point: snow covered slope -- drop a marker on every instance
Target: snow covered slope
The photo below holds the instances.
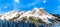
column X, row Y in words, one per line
column 37, row 16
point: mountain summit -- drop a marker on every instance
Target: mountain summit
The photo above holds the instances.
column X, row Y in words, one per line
column 37, row 16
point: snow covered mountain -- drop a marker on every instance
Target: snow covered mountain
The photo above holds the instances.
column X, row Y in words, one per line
column 37, row 16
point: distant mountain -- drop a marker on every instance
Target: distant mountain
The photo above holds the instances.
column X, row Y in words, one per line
column 37, row 16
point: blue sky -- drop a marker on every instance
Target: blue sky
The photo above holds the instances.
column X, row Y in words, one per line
column 51, row 6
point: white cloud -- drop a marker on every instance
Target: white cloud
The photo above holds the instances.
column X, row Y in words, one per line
column 16, row 1
column 35, row 2
column 44, row 1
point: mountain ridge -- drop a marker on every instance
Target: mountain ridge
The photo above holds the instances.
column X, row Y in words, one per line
column 37, row 15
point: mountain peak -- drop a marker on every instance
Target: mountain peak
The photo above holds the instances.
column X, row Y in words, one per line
column 31, row 16
column 41, row 8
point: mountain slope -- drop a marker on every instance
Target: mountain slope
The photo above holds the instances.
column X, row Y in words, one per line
column 37, row 16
